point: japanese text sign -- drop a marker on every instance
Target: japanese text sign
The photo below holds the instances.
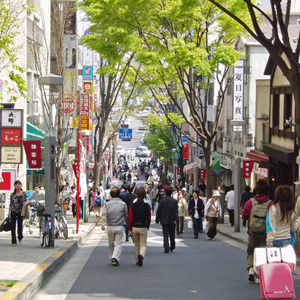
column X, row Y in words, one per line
column 247, row 168
column 85, row 111
column 238, row 93
column 11, row 118
column 33, row 151
column 11, row 136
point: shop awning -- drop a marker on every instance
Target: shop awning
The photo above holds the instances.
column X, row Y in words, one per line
column 189, row 169
column 34, row 132
column 219, row 171
column 257, row 155
column 216, row 156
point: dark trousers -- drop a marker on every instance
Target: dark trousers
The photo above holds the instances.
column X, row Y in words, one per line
column 74, row 210
column 81, row 208
column 179, row 225
column 14, row 217
column 127, row 231
column 169, row 231
column 231, row 216
column 197, row 226
column 212, row 230
column 254, row 240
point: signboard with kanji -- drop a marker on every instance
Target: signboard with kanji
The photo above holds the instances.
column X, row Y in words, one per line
column 33, row 151
column 11, row 136
column 85, row 111
column 11, row 118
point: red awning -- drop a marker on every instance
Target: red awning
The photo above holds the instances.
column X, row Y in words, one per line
column 258, row 157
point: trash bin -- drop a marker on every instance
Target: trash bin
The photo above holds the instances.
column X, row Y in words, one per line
column 222, row 202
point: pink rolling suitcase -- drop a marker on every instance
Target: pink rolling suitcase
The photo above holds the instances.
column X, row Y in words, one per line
column 276, row 281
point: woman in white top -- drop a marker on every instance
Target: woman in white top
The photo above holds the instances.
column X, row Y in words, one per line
column 212, row 211
column 282, row 218
column 182, row 211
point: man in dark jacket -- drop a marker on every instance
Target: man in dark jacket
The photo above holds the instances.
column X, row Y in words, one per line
column 246, row 196
column 195, row 209
column 128, row 199
column 167, row 215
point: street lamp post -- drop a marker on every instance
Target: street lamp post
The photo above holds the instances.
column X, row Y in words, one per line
column 54, row 91
column 196, row 172
column 174, row 150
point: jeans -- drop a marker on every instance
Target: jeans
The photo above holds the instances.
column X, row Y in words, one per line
column 197, row 225
column 14, row 217
column 281, row 243
column 169, row 230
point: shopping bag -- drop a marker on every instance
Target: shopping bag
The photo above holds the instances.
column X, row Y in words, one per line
column 190, row 224
column 6, row 225
column 205, row 223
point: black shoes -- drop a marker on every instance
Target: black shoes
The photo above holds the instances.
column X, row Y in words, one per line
column 166, row 251
column 196, row 236
column 140, row 258
column 115, row 262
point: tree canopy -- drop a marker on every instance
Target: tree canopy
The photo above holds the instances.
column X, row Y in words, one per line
column 11, row 21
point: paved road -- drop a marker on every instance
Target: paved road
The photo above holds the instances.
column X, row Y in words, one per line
column 197, row 269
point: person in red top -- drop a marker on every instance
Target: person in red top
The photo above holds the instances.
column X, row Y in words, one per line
column 139, row 223
column 255, row 239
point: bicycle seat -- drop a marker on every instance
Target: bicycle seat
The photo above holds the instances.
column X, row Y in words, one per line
column 58, row 210
column 46, row 214
column 33, row 209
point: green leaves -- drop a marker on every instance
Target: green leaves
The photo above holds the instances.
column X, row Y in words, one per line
column 10, row 23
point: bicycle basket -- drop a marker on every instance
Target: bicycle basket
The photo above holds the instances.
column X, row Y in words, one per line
column 39, row 210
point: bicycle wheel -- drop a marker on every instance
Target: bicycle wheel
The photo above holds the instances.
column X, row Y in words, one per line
column 47, row 233
column 42, row 237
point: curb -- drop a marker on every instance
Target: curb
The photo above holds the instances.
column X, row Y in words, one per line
column 242, row 241
column 28, row 285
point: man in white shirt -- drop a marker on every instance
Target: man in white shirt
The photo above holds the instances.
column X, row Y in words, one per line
column 101, row 190
column 229, row 199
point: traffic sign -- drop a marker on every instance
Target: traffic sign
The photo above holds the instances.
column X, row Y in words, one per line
column 125, row 133
column 184, row 140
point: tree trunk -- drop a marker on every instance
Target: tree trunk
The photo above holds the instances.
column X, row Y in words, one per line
column 208, row 150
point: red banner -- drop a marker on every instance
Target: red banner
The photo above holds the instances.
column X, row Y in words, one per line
column 186, row 151
column 202, row 174
column 75, row 169
column 33, row 150
column 247, row 168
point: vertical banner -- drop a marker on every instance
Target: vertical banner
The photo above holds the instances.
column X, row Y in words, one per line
column 33, row 150
column 238, row 93
column 186, row 151
column 247, row 168
column 202, row 174
column 85, row 111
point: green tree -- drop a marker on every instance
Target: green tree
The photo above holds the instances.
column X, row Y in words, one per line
column 174, row 41
column 11, row 20
column 283, row 49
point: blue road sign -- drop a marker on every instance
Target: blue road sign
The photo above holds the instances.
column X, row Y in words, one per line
column 125, row 133
column 184, row 140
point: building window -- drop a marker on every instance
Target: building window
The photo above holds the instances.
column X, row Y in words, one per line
column 266, row 133
column 288, row 111
column 275, row 121
column 298, row 21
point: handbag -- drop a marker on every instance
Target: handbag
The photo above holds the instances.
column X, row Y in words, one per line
column 297, row 244
column 190, row 224
column 6, row 225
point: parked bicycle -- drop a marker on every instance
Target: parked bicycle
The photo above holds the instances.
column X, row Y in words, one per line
column 45, row 227
column 61, row 226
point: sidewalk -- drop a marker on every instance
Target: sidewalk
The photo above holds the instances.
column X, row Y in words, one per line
column 30, row 265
